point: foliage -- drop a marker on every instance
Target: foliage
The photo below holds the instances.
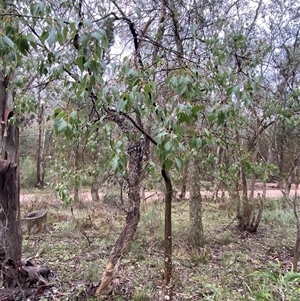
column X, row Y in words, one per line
column 275, row 285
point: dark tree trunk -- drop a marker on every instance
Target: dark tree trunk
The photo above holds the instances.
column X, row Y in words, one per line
column 10, row 224
column 168, row 234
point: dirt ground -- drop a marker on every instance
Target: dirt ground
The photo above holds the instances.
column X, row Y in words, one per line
column 77, row 246
column 273, row 191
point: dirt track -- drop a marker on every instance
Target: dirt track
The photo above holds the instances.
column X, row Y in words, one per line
column 272, row 192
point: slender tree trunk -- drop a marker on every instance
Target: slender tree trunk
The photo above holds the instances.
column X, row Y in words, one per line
column 95, row 192
column 168, row 234
column 40, row 149
column 38, row 161
column 297, row 242
column 10, row 224
column 254, row 159
column 196, row 226
column 217, row 182
column 135, row 176
column 76, row 186
column 291, row 176
column 121, row 186
column 182, row 194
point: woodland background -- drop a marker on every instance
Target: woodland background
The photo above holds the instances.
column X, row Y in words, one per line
column 153, row 129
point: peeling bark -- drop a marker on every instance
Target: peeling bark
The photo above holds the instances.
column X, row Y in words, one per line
column 10, row 222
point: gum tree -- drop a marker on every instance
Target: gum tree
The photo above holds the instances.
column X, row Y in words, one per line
column 10, row 229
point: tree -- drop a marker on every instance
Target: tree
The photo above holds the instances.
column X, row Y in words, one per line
column 10, row 224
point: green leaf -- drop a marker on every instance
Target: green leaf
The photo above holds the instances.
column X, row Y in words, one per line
column 221, row 118
column 197, row 109
column 137, row 11
column 96, row 35
column 104, row 42
column 69, row 131
column 168, row 163
column 115, row 90
column 80, row 61
column 178, row 163
column 292, row 276
column 10, row 30
column 12, row 56
column 73, row 115
column 115, row 164
column 60, row 124
column 93, row 66
column 65, row 33
column 8, row 41
column 23, row 45
column 44, row 36
column 121, row 105
column 52, row 38
column 168, row 146
column 88, row 23
column 57, row 112
column 84, row 38
column 211, row 117
column 147, row 90
column 183, row 117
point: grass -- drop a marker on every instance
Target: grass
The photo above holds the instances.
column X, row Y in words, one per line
column 77, row 246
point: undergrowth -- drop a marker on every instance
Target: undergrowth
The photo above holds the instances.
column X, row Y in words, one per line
column 233, row 265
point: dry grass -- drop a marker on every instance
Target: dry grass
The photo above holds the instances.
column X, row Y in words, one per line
column 76, row 247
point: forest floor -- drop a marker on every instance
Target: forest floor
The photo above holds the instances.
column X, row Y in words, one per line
column 233, row 265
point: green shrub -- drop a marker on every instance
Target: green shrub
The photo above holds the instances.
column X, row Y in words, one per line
column 276, row 285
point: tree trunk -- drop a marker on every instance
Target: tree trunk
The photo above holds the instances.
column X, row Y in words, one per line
column 254, row 160
column 217, row 182
column 40, row 149
column 184, row 181
column 196, row 226
column 135, row 176
column 76, row 185
column 297, row 242
column 168, row 234
column 95, row 192
column 10, row 223
column 246, row 215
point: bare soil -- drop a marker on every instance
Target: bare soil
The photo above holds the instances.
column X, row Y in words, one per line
column 273, row 191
